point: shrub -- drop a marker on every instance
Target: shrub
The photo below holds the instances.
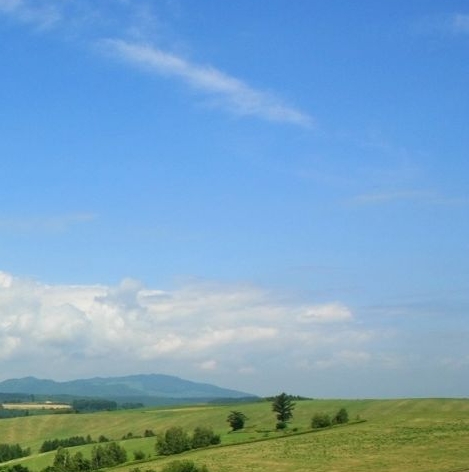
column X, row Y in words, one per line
column 139, row 455
column 321, row 420
column 12, row 451
column 107, row 455
column 280, row 425
column 204, row 437
column 174, row 441
column 15, row 468
column 341, row 417
column 183, row 466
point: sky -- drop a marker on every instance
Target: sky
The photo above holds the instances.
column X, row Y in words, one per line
column 267, row 196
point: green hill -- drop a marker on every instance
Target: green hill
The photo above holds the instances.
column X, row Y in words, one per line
column 415, row 435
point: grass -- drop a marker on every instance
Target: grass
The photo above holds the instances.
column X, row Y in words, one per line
column 36, row 406
column 420, row 435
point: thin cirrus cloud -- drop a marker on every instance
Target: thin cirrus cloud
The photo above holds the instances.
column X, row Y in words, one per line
column 223, row 90
column 229, row 92
column 41, row 14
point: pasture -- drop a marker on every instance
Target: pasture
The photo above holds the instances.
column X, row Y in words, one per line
column 414, row 435
column 36, row 406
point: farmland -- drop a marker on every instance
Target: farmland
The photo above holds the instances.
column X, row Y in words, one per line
column 36, row 406
column 421, row 435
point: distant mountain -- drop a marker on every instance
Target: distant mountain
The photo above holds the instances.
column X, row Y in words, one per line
column 147, row 389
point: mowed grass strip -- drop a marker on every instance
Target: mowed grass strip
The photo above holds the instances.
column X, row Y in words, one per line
column 405, row 435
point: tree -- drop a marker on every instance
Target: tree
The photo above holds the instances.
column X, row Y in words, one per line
column 341, row 417
column 174, row 441
column 236, row 420
column 107, row 455
column 204, row 437
column 283, row 406
column 320, row 420
column 183, row 466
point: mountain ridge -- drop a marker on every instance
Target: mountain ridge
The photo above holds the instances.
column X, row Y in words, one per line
column 154, row 386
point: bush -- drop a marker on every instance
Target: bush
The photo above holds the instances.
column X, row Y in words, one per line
column 183, row 466
column 341, row 417
column 15, row 468
column 204, row 437
column 280, row 425
column 174, row 441
column 321, row 420
column 107, row 455
column 139, row 455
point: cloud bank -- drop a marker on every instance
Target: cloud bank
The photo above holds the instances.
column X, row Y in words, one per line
column 98, row 329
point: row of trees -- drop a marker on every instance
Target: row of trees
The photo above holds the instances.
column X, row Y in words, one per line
column 53, row 444
column 107, row 455
column 283, row 407
column 176, row 440
column 90, row 405
column 176, row 466
column 12, row 451
column 323, row 420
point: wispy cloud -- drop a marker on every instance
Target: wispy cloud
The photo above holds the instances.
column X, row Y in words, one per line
column 229, row 92
column 41, row 14
column 131, row 19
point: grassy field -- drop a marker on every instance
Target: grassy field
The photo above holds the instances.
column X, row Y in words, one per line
column 36, row 406
column 428, row 435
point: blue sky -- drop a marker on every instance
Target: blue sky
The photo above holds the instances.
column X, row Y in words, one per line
column 263, row 195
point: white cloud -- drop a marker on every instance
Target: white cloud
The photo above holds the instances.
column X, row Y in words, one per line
column 129, row 324
column 327, row 313
column 229, row 92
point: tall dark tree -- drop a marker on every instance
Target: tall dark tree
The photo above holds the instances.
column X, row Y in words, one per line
column 236, row 420
column 283, row 406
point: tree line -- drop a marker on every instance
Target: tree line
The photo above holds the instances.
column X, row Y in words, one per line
column 9, row 452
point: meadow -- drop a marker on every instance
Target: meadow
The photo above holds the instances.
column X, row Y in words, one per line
column 415, row 435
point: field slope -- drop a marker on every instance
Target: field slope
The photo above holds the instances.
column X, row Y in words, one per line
column 415, row 435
